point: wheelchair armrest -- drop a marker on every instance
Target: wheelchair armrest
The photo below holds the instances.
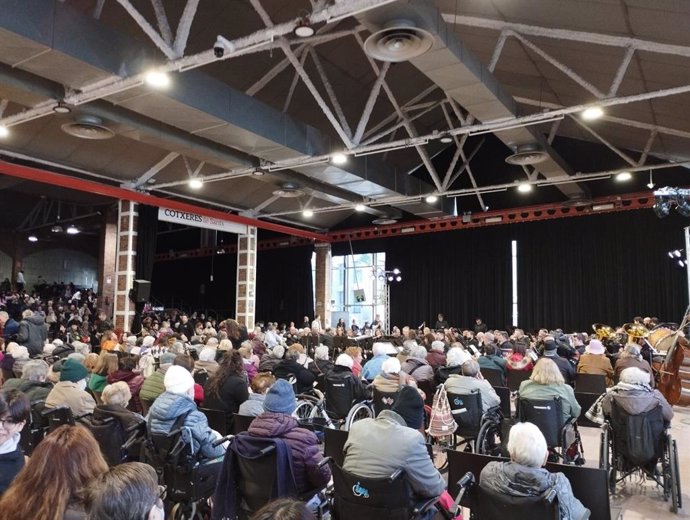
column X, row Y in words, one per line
column 49, row 411
column 135, row 427
column 324, row 461
column 550, row 496
column 395, row 475
column 424, row 506
column 267, row 450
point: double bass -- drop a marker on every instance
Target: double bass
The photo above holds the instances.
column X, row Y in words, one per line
column 670, row 384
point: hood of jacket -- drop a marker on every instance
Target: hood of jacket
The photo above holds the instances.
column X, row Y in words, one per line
column 517, row 480
column 271, row 424
column 37, row 319
column 167, row 407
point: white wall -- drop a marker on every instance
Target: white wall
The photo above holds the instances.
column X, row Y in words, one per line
column 60, row 265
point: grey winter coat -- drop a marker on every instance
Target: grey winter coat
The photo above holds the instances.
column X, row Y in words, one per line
column 510, row 478
column 253, row 406
column 168, row 407
column 635, row 399
column 33, row 332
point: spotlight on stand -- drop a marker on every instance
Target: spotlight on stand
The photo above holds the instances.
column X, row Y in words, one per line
column 678, row 257
column 665, row 198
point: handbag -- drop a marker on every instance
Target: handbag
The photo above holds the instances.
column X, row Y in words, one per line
column 441, row 422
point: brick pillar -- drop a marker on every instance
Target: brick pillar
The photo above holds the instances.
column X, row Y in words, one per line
column 107, row 263
column 323, row 283
column 126, row 253
column 18, row 249
column 245, row 291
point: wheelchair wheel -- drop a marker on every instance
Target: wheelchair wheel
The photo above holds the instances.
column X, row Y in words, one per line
column 489, row 439
column 303, row 411
column 358, row 412
column 676, row 497
column 185, row 511
column 604, row 450
column 439, row 447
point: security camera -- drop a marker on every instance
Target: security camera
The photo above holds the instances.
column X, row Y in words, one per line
column 219, row 49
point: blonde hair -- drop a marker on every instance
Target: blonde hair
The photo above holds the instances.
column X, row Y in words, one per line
column 353, row 352
column 91, row 361
column 546, row 372
column 296, row 347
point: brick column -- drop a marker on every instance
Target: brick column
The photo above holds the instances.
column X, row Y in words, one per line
column 18, row 250
column 245, row 291
column 323, row 283
column 126, row 253
column 107, row 263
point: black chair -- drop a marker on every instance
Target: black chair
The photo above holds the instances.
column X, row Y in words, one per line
column 241, row 423
column 334, row 444
column 58, row 416
column 383, row 400
column 374, row 498
column 586, row 400
column 590, row 383
column 515, row 377
column 503, row 393
column 217, row 420
column 428, row 388
column 494, row 377
column 200, row 377
column 117, row 444
column 35, row 429
column 547, row 415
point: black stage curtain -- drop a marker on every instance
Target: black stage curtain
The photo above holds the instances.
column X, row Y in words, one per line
column 284, row 288
column 147, row 229
column 462, row 274
column 574, row 272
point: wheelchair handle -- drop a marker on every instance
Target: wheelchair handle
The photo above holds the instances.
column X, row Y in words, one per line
column 324, row 461
column 135, row 427
column 49, row 411
column 267, row 450
column 464, row 484
column 395, row 475
column 220, row 441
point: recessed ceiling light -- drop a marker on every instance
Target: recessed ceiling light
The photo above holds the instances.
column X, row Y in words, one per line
column 61, row 108
column 307, row 213
column 338, row 158
column 524, row 187
column 446, row 139
column 4, row 132
column 258, row 172
column 431, row 199
column 196, row 183
column 72, row 230
column 623, row 176
column 33, row 238
column 360, row 207
column 157, row 79
column 592, row 113
column 303, row 29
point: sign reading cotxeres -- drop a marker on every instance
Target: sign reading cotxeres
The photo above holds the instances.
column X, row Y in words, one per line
column 202, row 221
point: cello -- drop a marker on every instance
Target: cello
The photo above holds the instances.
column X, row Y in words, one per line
column 670, row 384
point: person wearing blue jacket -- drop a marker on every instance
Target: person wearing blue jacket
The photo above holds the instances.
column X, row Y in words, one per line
column 177, row 401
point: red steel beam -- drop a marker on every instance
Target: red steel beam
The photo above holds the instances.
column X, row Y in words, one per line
column 75, row 183
column 261, row 245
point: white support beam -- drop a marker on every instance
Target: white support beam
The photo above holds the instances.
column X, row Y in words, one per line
column 394, row 116
column 611, row 147
column 401, row 123
column 151, row 172
column 184, row 26
column 465, row 166
column 497, row 51
column 554, row 130
column 3, row 106
column 647, row 148
column 330, row 92
column 371, row 101
column 295, row 80
column 145, row 26
column 620, row 73
column 560, row 66
column 162, row 20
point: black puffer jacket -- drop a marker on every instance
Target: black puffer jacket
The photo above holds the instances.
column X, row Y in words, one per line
column 33, row 333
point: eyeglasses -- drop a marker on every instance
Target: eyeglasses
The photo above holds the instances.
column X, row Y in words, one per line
column 8, row 423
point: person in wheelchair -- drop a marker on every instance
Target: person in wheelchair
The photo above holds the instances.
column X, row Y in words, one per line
column 524, row 476
column 471, row 380
column 392, row 378
column 178, row 401
column 343, row 389
column 115, row 398
column 370, row 451
column 635, row 396
column 546, row 382
column 455, row 357
column 277, row 422
column 289, row 368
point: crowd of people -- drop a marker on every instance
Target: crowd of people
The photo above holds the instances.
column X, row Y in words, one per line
column 59, row 349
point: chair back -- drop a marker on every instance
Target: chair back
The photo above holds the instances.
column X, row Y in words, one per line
column 369, row 498
column 639, row 439
column 429, row 389
column 515, row 377
column 58, row 416
column 35, row 429
column 546, row 414
column 494, row 377
column 590, row 383
column 111, row 438
column 200, row 376
column 383, row 400
column 217, row 420
column 503, row 393
column 498, row 505
column 467, row 412
column 339, row 395
column 334, row 444
column 241, row 423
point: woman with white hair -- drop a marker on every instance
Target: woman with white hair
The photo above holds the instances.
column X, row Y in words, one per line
column 33, row 381
column 115, row 398
column 454, row 359
column 322, row 365
column 632, row 357
column 524, row 476
column 343, row 387
column 417, row 366
column 392, row 378
column 635, row 396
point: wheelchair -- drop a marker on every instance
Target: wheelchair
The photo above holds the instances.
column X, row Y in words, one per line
column 35, row 429
column 562, row 438
column 189, row 480
column 117, row 444
column 637, row 444
column 313, row 411
column 480, row 431
column 375, row 498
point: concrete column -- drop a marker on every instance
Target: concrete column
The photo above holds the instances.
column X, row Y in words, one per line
column 245, row 291
column 107, row 263
column 323, row 282
column 127, row 216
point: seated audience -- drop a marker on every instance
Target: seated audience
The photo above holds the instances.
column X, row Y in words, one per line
column 566, row 368
column 632, row 357
column 492, row 360
column 153, row 385
column 51, row 486
column 356, row 354
column 546, row 382
column 524, row 476
column 372, row 368
column 454, row 359
column 115, row 399
column 322, row 364
column 228, row 389
column 417, row 366
column 289, row 369
column 271, row 358
column 518, row 359
column 71, row 390
column 15, row 408
column 128, row 491
column 343, row 388
column 33, row 381
column 635, row 396
column 255, row 404
column 594, row 361
column 207, row 361
column 436, row 356
column 178, row 401
column 126, row 373
column 277, row 422
column 471, row 380
column 247, row 355
column 370, row 453
column 187, row 362
column 284, row 509
column 392, row 378
column 33, row 332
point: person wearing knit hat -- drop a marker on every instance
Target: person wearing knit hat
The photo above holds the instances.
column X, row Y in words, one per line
column 369, row 452
column 71, row 390
column 277, row 422
column 594, row 361
column 178, row 401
